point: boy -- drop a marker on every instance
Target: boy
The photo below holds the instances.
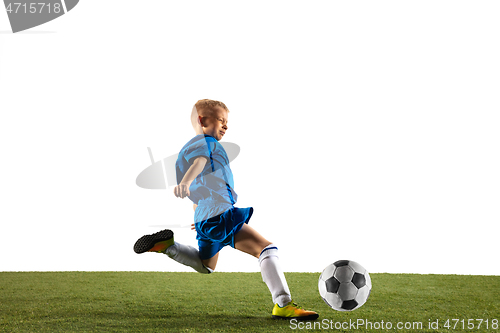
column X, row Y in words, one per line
column 204, row 176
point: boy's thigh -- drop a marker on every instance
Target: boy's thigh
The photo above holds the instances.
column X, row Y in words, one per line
column 248, row 240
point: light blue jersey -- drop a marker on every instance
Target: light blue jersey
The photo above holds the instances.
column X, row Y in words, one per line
column 216, row 218
column 216, row 180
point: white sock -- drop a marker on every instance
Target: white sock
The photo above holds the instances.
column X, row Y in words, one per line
column 187, row 255
column 273, row 275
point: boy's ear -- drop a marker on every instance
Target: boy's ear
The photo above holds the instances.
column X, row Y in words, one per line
column 200, row 121
column 196, row 121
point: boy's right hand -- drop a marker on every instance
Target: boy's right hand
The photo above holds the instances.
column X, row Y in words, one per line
column 182, row 190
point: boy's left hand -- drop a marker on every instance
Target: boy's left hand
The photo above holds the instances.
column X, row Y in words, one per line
column 182, row 190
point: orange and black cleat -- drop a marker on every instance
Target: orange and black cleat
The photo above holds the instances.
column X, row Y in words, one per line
column 293, row 311
column 157, row 242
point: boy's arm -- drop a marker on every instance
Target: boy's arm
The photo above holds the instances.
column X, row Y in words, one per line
column 182, row 190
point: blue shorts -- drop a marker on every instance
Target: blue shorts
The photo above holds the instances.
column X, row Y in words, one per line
column 219, row 231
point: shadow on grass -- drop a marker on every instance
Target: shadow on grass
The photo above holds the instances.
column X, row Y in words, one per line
column 179, row 322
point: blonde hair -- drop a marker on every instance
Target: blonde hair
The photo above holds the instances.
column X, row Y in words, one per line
column 206, row 107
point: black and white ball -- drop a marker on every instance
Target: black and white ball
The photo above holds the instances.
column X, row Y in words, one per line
column 344, row 285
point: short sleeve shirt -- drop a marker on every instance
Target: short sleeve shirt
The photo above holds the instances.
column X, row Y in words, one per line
column 216, row 179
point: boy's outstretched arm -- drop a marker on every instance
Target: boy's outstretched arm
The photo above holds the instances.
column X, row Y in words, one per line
column 182, row 190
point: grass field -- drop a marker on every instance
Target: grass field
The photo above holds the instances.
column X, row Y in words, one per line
column 236, row 302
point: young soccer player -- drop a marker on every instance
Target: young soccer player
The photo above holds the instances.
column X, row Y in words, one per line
column 204, row 176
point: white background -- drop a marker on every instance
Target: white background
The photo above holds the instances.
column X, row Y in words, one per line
column 369, row 131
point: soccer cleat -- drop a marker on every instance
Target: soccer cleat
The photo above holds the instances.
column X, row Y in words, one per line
column 157, row 242
column 293, row 311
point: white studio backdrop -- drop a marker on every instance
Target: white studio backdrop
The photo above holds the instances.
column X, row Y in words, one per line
column 368, row 131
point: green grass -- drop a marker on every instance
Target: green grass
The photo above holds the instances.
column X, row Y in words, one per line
column 229, row 302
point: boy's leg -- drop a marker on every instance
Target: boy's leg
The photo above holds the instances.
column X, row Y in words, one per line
column 250, row 241
column 273, row 276
column 163, row 242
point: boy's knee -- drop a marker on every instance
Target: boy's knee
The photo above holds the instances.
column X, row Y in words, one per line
column 268, row 251
column 260, row 247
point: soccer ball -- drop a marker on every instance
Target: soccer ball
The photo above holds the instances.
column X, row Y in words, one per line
column 344, row 285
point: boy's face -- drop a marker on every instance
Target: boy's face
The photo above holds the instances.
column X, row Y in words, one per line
column 216, row 124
